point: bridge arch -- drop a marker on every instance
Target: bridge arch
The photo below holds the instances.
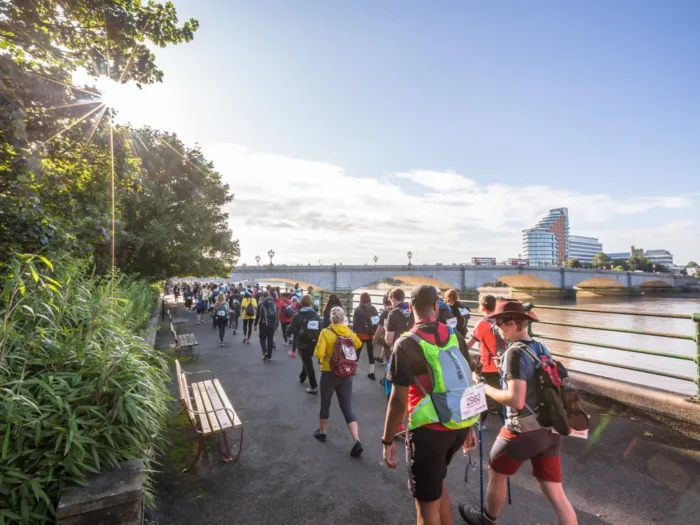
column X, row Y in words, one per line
column 411, row 281
column 655, row 283
column 514, row 279
column 599, row 282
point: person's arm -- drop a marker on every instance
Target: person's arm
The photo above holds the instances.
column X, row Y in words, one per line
column 513, row 397
column 396, row 411
column 320, row 351
column 472, row 341
column 379, row 336
column 356, row 340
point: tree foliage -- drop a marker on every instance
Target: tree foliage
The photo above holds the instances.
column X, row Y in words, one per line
column 573, row 263
column 601, row 260
column 55, row 170
column 692, row 264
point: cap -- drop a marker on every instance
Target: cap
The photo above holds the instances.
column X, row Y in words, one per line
column 423, row 296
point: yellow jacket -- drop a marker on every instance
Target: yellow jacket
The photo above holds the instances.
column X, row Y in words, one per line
column 326, row 344
column 244, row 305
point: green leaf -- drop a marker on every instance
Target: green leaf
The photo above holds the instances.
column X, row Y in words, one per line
column 35, row 275
column 6, row 442
column 46, row 261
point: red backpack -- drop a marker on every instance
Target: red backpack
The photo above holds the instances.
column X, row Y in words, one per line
column 344, row 359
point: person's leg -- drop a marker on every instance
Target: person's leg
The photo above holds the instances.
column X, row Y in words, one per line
column 370, row 353
column 445, row 507
column 235, row 321
column 307, row 358
column 284, row 331
column 344, row 393
column 562, row 506
column 496, row 492
column 327, row 388
column 222, row 329
column 263, row 340
column 270, row 334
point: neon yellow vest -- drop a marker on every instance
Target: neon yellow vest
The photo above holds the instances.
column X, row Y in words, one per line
column 450, row 376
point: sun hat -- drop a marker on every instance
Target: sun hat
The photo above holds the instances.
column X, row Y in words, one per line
column 511, row 309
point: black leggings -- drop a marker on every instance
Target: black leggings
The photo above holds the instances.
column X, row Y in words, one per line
column 221, row 322
column 370, row 352
column 233, row 323
column 342, row 386
column 284, row 330
column 248, row 327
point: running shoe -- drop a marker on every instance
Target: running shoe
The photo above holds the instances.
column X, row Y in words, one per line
column 267, row 357
column 312, row 390
column 222, row 344
column 357, row 449
column 245, row 340
column 371, row 376
column 379, row 360
column 290, row 353
column 234, row 332
column 474, row 516
column 293, row 354
column 321, row 436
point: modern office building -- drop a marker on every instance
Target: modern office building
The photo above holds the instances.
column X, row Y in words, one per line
column 547, row 243
column 584, row 248
column 664, row 257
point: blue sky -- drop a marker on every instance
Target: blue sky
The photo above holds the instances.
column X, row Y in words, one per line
column 465, row 120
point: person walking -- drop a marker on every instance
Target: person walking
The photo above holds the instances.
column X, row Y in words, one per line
column 188, row 296
column 305, row 328
column 234, row 303
column 285, row 319
column 176, row 291
column 378, row 340
column 221, row 316
column 332, row 302
column 268, row 320
column 461, row 311
column 491, row 349
column 364, row 323
column 426, row 363
column 249, row 308
column 522, row 437
column 331, row 382
column 201, row 306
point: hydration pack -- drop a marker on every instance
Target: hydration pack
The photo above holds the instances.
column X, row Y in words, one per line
column 343, row 362
column 250, row 309
column 221, row 311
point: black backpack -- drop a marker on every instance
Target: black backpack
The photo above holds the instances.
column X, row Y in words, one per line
column 309, row 330
column 269, row 312
column 549, row 375
column 250, row 309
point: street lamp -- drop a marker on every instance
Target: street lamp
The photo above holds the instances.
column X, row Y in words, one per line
column 409, row 255
column 271, row 254
column 375, row 260
column 257, row 259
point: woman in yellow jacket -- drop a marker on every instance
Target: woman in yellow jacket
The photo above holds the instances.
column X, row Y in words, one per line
column 330, row 382
column 248, row 319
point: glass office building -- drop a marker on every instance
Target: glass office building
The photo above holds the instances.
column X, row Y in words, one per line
column 547, row 243
column 584, row 248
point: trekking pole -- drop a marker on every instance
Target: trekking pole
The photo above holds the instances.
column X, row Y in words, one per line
column 481, row 471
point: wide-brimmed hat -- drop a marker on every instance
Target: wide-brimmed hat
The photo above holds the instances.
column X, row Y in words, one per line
column 511, row 309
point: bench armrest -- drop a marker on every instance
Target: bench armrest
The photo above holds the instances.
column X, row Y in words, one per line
column 200, row 372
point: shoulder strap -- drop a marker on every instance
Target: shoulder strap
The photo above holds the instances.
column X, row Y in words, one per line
column 525, row 348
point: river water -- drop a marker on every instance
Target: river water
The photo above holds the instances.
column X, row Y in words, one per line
column 655, row 304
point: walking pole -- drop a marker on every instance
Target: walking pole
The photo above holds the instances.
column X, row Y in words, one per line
column 481, row 471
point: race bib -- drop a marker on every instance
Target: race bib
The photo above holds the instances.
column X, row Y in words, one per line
column 375, row 319
column 312, row 325
column 350, row 353
column 317, row 302
column 452, row 322
column 473, row 401
column 464, row 312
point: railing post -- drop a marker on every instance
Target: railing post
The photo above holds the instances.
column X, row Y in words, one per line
column 696, row 318
column 528, row 307
column 348, row 311
column 322, row 302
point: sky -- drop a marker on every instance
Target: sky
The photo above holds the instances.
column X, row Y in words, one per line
column 356, row 128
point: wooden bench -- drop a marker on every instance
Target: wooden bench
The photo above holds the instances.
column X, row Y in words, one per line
column 212, row 412
column 177, row 322
column 184, row 343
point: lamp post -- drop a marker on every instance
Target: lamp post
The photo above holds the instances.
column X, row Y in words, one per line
column 409, row 255
column 271, row 254
column 257, row 259
column 375, row 260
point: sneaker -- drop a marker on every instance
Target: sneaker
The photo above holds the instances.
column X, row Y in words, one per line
column 371, row 376
column 290, row 353
column 302, row 379
column 474, row 516
column 379, row 360
column 245, row 339
column 312, row 390
column 357, row 449
column 222, row 344
column 234, row 332
column 267, row 357
column 293, row 354
column 321, row 436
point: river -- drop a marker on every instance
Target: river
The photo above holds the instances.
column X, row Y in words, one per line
column 657, row 304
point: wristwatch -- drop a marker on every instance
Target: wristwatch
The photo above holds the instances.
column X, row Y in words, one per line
column 387, row 443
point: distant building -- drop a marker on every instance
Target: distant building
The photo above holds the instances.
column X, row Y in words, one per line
column 547, row 243
column 584, row 248
column 660, row 257
column 483, row 260
column 626, row 255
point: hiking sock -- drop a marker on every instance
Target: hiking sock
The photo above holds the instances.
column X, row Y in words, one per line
column 371, row 368
column 489, row 519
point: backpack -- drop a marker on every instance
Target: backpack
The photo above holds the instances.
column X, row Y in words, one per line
column 235, row 304
column 309, row 330
column 548, row 378
column 221, row 311
column 289, row 311
column 344, row 359
column 250, row 309
column 269, row 312
column 501, row 345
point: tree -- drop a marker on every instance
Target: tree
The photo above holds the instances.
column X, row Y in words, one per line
column 620, row 263
column 640, row 263
column 600, row 261
column 573, row 263
column 692, row 264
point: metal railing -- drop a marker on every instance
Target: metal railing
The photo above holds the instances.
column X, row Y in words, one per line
column 350, row 300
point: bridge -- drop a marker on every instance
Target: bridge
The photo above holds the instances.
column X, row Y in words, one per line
column 463, row 277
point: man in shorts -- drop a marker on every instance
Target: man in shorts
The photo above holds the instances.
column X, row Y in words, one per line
column 522, row 437
column 429, row 447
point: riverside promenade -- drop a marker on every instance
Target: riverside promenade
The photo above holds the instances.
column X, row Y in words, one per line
column 630, row 471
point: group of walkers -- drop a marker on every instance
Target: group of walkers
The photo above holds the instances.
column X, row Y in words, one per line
column 424, row 345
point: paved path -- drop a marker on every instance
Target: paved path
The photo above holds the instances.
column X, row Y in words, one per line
column 631, row 471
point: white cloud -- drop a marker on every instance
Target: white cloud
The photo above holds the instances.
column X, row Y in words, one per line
column 308, row 211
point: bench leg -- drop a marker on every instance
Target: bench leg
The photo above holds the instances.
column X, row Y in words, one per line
column 228, row 457
column 200, row 448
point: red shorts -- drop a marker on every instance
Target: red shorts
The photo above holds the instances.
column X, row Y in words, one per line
column 542, row 447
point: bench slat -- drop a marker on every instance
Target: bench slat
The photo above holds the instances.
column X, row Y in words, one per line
column 227, row 403
column 221, row 415
column 200, row 408
column 213, row 422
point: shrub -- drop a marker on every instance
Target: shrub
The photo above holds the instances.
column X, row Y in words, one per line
column 80, row 390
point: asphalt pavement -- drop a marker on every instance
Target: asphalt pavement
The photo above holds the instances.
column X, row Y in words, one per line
column 630, row 471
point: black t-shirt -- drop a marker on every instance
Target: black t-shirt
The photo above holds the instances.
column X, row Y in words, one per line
column 399, row 319
column 407, row 358
column 187, row 295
